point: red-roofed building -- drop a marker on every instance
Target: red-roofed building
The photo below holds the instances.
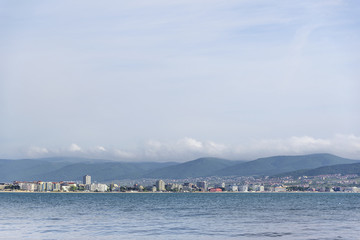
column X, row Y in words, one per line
column 215, row 190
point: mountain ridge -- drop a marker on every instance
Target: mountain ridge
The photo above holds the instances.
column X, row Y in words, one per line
column 65, row 168
column 278, row 164
column 344, row 169
column 200, row 167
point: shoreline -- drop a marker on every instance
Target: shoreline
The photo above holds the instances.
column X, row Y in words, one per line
column 80, row 192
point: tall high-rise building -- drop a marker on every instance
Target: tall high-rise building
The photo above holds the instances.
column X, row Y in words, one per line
column 160, row 185
column 202, row 185
column 87, row 179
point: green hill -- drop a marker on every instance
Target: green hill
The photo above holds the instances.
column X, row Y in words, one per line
column 24, row 169
column 105, row 171
column 66, row 169
column 280, row 164
column 197, row 168
column 343, row 169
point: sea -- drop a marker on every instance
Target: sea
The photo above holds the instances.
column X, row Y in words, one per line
column 180, row 216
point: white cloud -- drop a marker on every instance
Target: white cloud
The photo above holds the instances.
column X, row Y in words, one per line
column 216, row 148
column 342, row 145
column 188, row 148
column 124, row 154
column 190, row 144
column 100, row 149
column 37, row 151
column 309, row 143
column 75, row 148
column 154, row 144
column 184, row 149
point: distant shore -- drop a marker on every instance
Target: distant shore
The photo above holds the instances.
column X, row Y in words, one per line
column 81, row 192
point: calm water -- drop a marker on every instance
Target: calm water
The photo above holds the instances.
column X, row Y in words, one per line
column 179, row 216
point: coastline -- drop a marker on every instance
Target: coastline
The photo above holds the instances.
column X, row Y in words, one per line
column 81, row 192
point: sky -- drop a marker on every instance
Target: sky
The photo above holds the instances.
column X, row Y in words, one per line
column 158, row 80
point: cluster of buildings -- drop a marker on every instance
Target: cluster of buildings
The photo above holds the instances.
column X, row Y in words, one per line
column 319, row 183
column 200, row 186
column 322, row 183
column 41, row 186
column 159, row 186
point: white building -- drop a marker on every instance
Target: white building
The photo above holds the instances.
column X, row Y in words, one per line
column 56, row 186
column 45, row 186
column 258, row 188
column 220, row 185
column 352, row 189
column 280, row 189
column 27, row 186
column 243, row 188
column 232, row 188
column 98, row 187
column 202, row 185
column 173, row 187
column 160, row 185
column 87, row 180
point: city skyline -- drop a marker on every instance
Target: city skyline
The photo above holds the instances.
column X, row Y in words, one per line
column 174, row 81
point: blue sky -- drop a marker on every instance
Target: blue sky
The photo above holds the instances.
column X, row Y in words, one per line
column 175, row 80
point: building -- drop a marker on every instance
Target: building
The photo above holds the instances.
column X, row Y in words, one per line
column 87, row 180
column 351, row 189
column 202, row 185
column 56, row 187
column 280, row 189
column 258, row 188
column 160, row 185
column 220, row 185
column 98, row 187
column 232, row 188
column 243, row 188
column 173, row 187
column 215, row 190
column 65, row 188
column 2, row 186
column 45, row 186
column 27, row 186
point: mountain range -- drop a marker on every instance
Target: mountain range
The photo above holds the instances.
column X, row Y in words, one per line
column 353, row 168
column 281, row 164
column 72, row 169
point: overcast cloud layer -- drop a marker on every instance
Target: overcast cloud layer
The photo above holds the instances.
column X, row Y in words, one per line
column 175, row 80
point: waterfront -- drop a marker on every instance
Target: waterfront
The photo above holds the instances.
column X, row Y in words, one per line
column 179, row 216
